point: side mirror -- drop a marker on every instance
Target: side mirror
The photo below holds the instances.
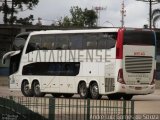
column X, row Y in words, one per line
column 8, row 54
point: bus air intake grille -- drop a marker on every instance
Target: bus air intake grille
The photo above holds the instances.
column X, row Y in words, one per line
column 138, row 64
column 109, row 84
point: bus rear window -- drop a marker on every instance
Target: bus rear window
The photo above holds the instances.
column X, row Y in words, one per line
column 139, row 38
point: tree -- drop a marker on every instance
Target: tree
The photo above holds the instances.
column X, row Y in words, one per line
column 155, row 17
column 66, row 22
column 90, row 17
column 25, row 21
column 9, row 8
column 79, row 18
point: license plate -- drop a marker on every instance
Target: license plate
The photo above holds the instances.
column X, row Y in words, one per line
column 138, row 88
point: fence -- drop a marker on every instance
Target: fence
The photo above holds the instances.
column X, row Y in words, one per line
column 26, row 108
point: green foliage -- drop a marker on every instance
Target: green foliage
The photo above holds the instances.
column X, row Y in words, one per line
column 79, row 18
column 25, row 21
column 90, row 17
column 9, row 9
column 28, row 3
column 66, row 22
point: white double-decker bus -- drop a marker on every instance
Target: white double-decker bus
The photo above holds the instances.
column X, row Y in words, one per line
column 117, row 62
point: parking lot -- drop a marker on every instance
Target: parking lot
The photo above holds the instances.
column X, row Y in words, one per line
column 144, row 104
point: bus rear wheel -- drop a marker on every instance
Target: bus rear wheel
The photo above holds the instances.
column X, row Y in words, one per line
column 83, row 90
column 94, row 91
column 127, row 97
column 36, row 90
column 25, row 89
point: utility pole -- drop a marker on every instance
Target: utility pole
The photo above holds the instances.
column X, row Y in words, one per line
column 12, row 12
column 150, row 14
column 123, row 14
column 151, row 2
column 98, row 9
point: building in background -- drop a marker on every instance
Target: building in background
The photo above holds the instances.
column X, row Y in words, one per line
column 7, row 35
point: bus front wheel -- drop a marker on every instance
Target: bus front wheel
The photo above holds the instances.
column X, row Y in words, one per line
column 25, row 89
column 36, row 90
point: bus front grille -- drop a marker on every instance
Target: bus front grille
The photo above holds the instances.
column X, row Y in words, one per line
column 138, row 64
column 109, row 84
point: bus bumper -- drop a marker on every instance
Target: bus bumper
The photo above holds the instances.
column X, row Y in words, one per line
column 135, row 89
column 13, row 84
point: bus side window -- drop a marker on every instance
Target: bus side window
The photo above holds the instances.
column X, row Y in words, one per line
column 62, row 42
column 48, row 42
column 101, row 44
column 34, row 43
column 90, row 41
column 54, row 69
column 110, row 40
column 70, row 69
column 91, row 44
column 76, row 41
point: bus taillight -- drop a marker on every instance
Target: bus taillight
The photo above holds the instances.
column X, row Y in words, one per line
column 119, row 53
column 119, row 45
column 120, row 78
column 154, row 77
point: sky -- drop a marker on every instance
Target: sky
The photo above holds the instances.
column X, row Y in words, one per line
column 137, row 12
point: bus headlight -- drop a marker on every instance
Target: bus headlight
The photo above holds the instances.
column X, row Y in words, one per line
column 12, row 80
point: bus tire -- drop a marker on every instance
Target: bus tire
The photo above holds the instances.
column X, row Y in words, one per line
column 83, row 90
column 114, row 96
column 94, row 91
column 67, row 95
column 56, row 95
column 127, row 97
column 25, row 89
column 36, row 89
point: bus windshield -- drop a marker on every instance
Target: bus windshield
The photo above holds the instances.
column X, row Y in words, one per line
column 139, row 38
column 19, row 42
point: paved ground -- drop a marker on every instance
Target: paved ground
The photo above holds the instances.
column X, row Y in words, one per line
column 144, row 104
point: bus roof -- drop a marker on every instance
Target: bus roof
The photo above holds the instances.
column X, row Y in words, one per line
column 75, row 31
column 23, row 33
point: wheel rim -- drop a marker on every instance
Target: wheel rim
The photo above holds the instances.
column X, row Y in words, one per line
column 37, row 89
column 83, row 90
column 26, row 88
column 94, row 90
